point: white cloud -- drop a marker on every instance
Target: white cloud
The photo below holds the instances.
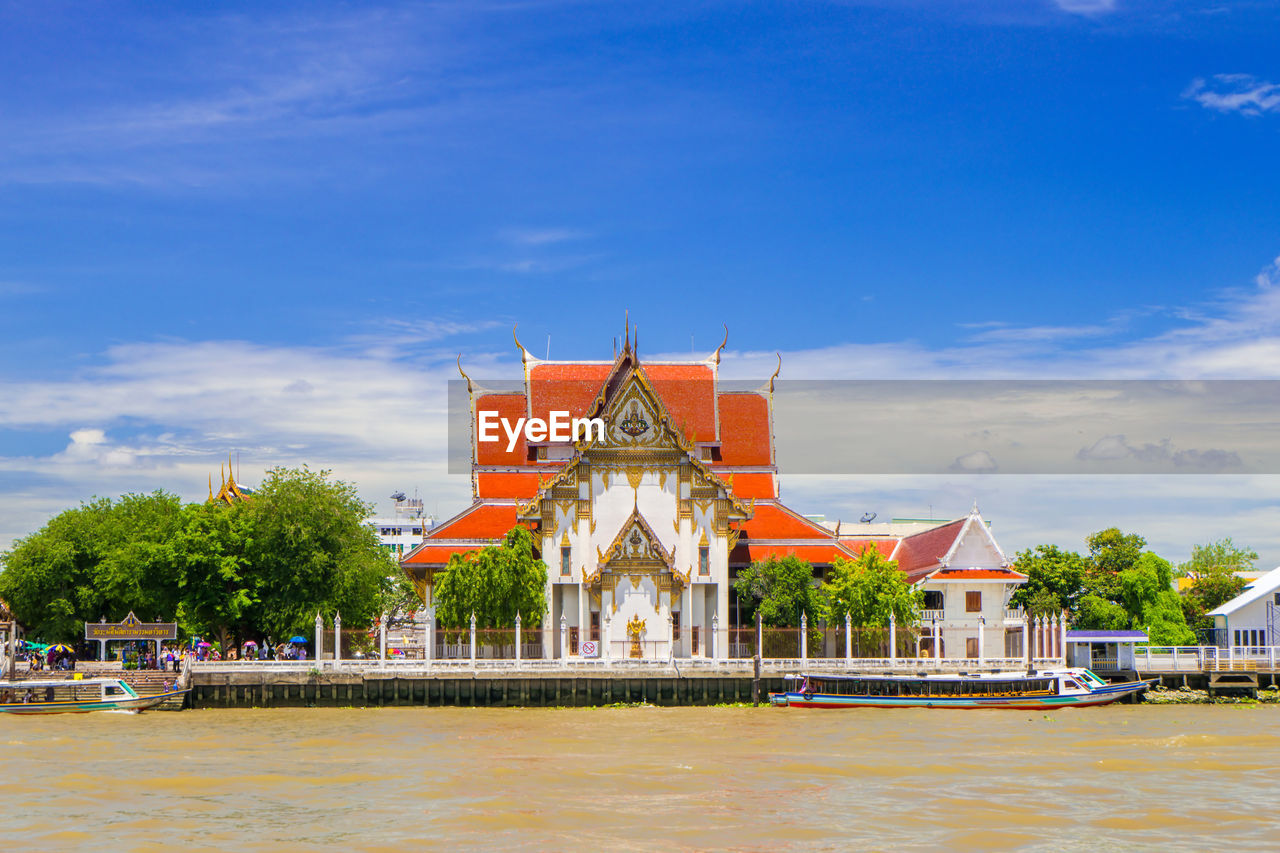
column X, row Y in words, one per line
column 167, row 414
column 1235, row 93
column 1086, row 7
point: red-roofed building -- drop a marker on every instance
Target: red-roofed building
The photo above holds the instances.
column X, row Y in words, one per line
column 645, row 521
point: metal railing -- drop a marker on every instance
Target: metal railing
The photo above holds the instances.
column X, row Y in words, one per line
column 1205, row 658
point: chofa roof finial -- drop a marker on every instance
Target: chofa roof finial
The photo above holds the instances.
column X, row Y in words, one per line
column 716, row 355
column 464, row 373
column 626, row 331
column 775, row 373
column 524, row 353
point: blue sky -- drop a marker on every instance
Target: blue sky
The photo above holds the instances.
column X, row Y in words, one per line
column 270, row 229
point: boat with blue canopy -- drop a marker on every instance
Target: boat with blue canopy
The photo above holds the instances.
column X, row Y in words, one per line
column 1030, row 690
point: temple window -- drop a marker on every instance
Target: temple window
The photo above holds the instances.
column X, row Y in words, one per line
column 973, row 602
column 704, row 560
column 566, row 561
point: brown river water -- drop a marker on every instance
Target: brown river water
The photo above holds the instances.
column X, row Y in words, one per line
column 1123, row 778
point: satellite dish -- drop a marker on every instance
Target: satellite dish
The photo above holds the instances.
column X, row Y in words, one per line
column 868, row 517
column 398, row 496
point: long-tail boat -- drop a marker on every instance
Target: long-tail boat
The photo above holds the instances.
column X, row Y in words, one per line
column 1053, row 688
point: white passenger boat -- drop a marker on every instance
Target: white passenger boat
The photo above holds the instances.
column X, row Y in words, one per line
column 1054, row 688
column 64, row 696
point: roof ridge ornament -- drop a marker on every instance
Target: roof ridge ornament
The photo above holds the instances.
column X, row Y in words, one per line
column 524, row 353
column 715, row 356
column 775, row 373
column 464, row 373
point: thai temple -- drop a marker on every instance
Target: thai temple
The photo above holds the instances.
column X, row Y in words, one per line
column 645, row 529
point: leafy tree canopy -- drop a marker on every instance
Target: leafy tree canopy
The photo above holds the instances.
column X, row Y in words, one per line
column 1110, row 553
column 1055, row 580
column 1099, row 614
column 1219, row 557
column 261, row 568
column 869, row 589
column 494, row 583
column 781, row 590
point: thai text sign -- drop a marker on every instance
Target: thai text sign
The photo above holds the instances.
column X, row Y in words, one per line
column 130, row 629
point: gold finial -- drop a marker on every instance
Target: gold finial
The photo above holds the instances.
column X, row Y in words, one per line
column 210, row 488
column 464, row 373
column 524, row 353
column 716, row 355
column 626, row 331
column 775, row 373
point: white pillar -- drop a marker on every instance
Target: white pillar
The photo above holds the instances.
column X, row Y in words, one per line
column 517, row 636
column 430, row 634
column 1026, row 636
column 804, row 636
column 981, row 653
column 382, row 637
column 760, row 635
column 337, row 638
column 848, row 637
column 671, row 636
column 605, row 632
column 319, row 638
column 1062, row 635
column 715, row 629
column 564, row 637
column 473, row 638
column 893, row 638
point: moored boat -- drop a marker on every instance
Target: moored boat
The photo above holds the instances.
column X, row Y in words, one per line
column 76, row 696
column 1055, row 688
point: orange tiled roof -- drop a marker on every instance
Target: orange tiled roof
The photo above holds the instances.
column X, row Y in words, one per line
column 511, row 406
column 749, row 552
column 751, row 485
column 859, row 546
column 502, row 484
column 772, row 520
column 483, row 521
column 745, row 435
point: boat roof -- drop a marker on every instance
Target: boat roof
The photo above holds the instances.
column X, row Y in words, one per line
column 1003, row 675
column 29, row 684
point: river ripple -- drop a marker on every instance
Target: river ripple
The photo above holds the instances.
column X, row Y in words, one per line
column 1123, row 777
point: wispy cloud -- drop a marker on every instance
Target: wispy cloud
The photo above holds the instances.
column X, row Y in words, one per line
column 1235, row 93
column 542, row 236
column 19, row 288
column 1086, row 7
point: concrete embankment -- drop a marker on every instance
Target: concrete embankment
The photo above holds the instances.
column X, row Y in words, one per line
column 372, row 688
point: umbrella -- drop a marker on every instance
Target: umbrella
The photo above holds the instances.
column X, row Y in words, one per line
column 60, row 649
column 248, row 643
column 296, row 639
column 203, row 645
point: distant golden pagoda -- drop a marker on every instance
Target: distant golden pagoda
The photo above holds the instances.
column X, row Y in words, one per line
column 230, row 492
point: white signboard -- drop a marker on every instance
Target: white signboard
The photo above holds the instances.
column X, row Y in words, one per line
column 589, row 649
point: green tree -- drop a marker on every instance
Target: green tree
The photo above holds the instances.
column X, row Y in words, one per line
column 1097, row 613
column 217, row 592
column 1055, row 580
column 1147, row 594
column 780, row 590
column 306, row 549
column 1110, row 553
column 101, row 559
column 494, row 583
column 868, row 589
column 1209, row 590
column 1221, row 556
